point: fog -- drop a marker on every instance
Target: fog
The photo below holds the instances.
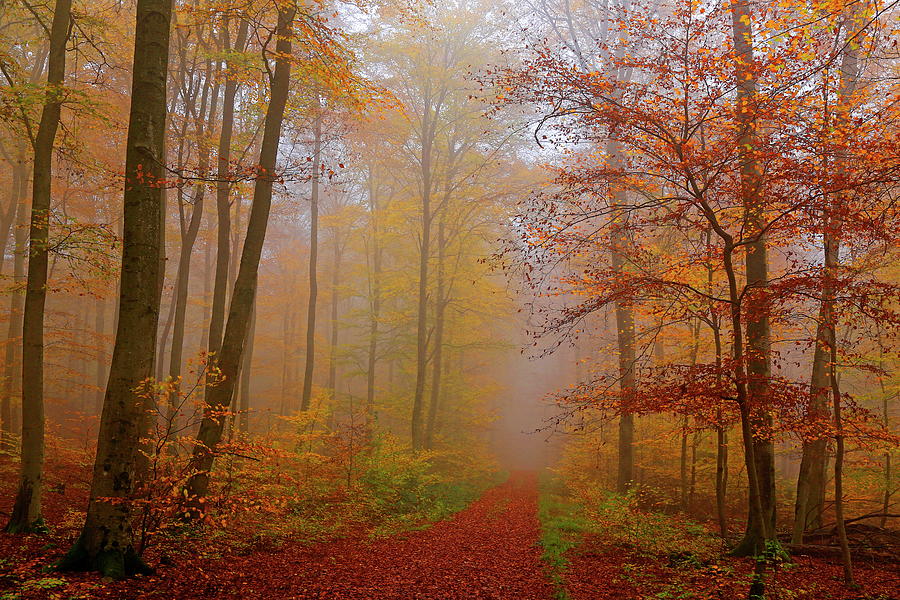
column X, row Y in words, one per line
column 373, row 256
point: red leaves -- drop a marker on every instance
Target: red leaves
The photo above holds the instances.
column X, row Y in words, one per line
column 488, row 550
column 598, row 570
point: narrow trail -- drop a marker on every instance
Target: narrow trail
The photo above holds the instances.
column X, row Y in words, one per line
column 486, row 551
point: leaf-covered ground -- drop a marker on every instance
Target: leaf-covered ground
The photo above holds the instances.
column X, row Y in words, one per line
column 487, row 551
column 490, row 550
column 598, row 571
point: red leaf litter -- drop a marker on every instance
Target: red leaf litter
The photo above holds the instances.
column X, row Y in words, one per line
column 487, row 551
column 600, row 571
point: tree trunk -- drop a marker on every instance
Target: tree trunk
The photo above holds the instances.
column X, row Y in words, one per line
column 162, row 347
column 693, row 485
column 375, row 306
column 811, row 482
column 810, row 498
column 189, row 97
column 839, row 468
column 83, row 356
column 761, row 523
column 223, row 207
column 286, row 404
column 832, row 239
column 440, row 305
column 625, row 337
column 100, row 364
column 683, row 465
column 219, row 396
column 188, row 239
column 335, row 297
column 758, row 531
column 235, row 240
column 888, row 481
column 207, row 289
column 9, row 217
column 14, row 332
column 106, row 542
column 761, row 532
column 310, row 363
column 247, row 362
column 26, row 513
column 417, row 421
column 721, row 440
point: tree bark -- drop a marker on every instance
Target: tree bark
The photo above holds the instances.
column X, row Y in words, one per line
column 811, row 481
column 429, row 126
column 106, row 542
column 625, row 342
column 286, row 341
column 683, row 466
column 246, row 365
column 721, row 439
column 832, row 239
column 26, row 513
column 14, row 331
column 83, row 356
column 207, row 288
column 335, row 297
column 757, row 525
column 223, row 206
column 100, row 363
column 375, row 302
column 219, row 396
column 164, row 334
column 888, row 480
column 9, row 417
column 310, row 362
column 235, row 240
column 761, row 532
column 810, row 497
column 188, row 239
column 839, row 470
column 9, row 217
column 761, row 522
column 440, row 305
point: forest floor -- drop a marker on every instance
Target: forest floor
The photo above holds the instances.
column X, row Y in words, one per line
column 490, row 550
column 597, row 571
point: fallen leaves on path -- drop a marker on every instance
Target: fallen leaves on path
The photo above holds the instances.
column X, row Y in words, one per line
column 488, row 551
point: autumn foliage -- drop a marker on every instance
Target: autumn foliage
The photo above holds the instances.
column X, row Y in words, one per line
column 388, row 299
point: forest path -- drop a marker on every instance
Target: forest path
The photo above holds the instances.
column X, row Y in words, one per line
column 487, row 551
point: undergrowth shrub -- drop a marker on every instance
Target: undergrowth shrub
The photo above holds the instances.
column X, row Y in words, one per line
column 402, row 490
column 314, row 478
column 619, row 519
